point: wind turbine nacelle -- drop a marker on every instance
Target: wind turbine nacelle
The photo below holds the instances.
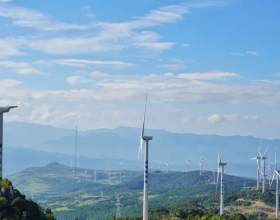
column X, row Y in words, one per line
column 6, row 109
column 147, row 138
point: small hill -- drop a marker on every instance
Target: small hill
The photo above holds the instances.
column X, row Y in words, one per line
column 55, row 179
column 14, row 206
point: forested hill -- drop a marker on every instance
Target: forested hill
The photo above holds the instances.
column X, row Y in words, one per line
column 14, row 206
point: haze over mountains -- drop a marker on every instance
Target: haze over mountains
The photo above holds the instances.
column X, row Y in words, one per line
column 95, row 147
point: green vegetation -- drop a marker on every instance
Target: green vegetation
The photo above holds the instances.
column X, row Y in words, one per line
column 14, row 206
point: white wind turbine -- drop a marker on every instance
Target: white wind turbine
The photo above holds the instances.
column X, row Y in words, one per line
column 276, row 173
column 167, row 167
column 146, row 163
column 258, row 167
column 201, row 165
column 188, row 161
column 221, row 167
column 263, row 168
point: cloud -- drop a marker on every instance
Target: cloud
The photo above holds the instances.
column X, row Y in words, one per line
column 20, row 68
column 169, row 74
column 10, row 47
column 155, row 45
column 30, row 18
column 86, row 63
column 6, row 0
column 208, row 76
column 237, row 54
column 106, row 36
column 254, row 53
column 77, row 80
column 214, row 118
column 173, row 66
column 97, row 74
column 29, row 71
column 186, row 45
column 233, row 118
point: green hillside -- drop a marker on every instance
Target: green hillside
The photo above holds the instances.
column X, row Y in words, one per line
column 97, row 200
column 55, row 179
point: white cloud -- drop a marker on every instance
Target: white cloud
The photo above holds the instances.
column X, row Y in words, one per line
column 86, row 63
column 254, row 53
column 6, row 0
column 233, row 118
column 97, row 74
column 173, row 66
column 10, row 47
column 155, row 45
column 30, row 18
column 77, row 80
column 29, row 71
column 208, row 76
column 21, row 68
column 169, row 74
column 186, row 45
column 214, row 118
column 237, row 54
column 106, row 37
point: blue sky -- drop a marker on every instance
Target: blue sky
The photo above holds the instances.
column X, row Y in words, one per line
column 210, row 66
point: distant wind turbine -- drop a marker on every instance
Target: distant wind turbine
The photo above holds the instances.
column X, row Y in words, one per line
column 167, row 167
column 276, row 173
column 221, row 167
column 146, row 163
column 258, row 167
column 188, row 161
column 263, row 168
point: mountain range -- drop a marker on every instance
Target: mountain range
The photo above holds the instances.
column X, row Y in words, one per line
column 33, row 141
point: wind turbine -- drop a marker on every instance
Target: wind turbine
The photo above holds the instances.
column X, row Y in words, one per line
column 221, row 167
column 258, row 168
column 121, row 166
column 188, row 161
column 167, row 167
column 263, row 168
column 2, row 111
column 146, row 163
column 201, row 165
column 276, row 172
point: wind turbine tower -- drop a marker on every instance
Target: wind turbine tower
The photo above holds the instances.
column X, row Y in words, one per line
column 167, row 167
column 201, row 165
column 221, row 168
column 188, row 161
column 121, row 166
column 146, row 139
column 2, row 111
column 258, row 168
column 276, row 172
column 263, row 169
column 94, row 176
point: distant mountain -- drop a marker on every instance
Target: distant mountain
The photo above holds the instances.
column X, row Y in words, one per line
column 123, row 142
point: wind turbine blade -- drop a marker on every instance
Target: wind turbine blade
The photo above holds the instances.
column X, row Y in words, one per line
column 254, row 158
column 272, row 181
column 222, row 153
column 144, row 117
column 275, row 161
column 265, row 151
column 140, row 149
